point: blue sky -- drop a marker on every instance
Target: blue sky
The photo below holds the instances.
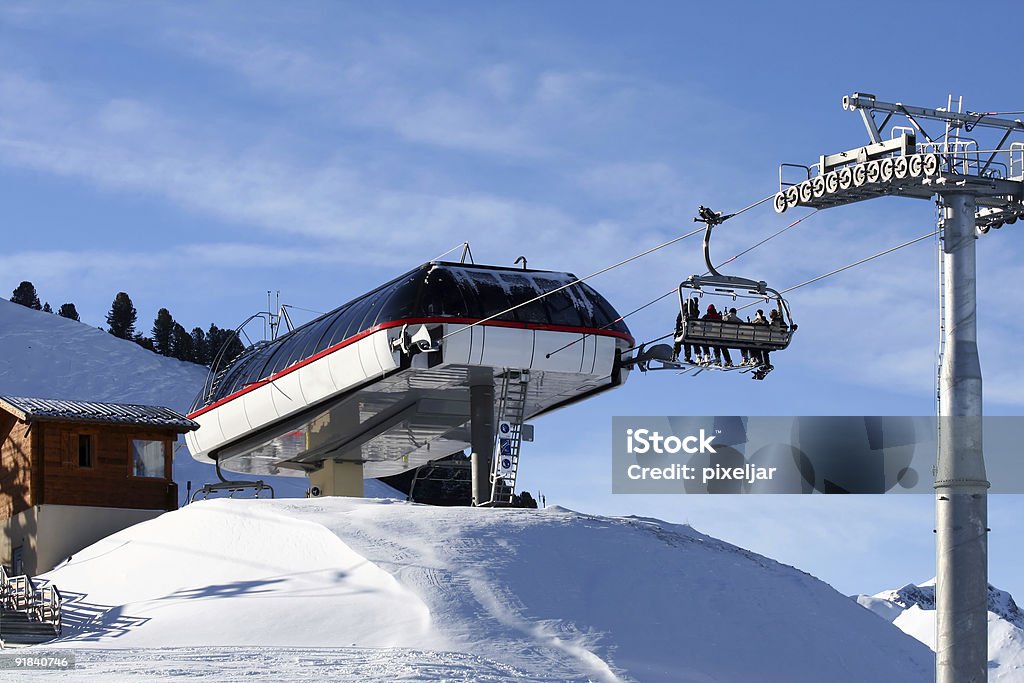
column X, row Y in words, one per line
column 197, row 155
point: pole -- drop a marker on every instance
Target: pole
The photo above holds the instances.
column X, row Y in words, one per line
column 481, row 426
column 961, row 486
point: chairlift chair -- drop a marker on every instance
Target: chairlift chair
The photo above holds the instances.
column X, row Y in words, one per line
column 701, row 332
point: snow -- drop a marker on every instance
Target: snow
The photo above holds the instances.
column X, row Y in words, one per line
column 46, row 356
column 537, row 594
column 912, row 609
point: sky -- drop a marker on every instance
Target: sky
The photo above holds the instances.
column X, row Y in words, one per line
column 197, row 155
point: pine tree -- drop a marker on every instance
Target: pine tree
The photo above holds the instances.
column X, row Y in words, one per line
column 46, row 308
column 219, row 339
column 144, row 342
column 26, row 295
column 163, row 326
column 181, row 343
column 122, row 316
column 200, row 347
column 68, row 311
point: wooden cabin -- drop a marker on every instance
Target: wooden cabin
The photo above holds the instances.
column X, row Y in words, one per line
column 73, row 472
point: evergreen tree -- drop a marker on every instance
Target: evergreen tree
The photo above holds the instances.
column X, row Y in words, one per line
column 26, row 295
column 122, row 316
column 200, row 347
column 46, row 308
column 181, row 343
column 68, row 311
column 163, row 326
column 144, row 342
column 217, row 339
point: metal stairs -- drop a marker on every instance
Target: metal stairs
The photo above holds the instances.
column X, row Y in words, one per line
column 509, row 436
column 29, row 613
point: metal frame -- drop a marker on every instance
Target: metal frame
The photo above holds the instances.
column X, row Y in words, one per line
column 232, row 487
column 978, row 189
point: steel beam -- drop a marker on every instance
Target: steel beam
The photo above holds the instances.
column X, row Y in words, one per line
column 481, row 429
column 967, row 120
column 961, row 486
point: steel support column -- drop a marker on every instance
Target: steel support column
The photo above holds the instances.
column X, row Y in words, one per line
column 961, row 486
column 481, row 436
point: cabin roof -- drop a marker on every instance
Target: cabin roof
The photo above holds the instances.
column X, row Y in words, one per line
column 438, row 290
column 32, row 409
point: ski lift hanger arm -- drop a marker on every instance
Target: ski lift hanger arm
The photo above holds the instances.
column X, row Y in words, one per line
column 867, row 103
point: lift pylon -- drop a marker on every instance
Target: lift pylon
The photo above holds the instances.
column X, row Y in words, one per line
column 979, row 187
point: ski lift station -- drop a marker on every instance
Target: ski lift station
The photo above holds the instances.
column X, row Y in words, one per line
column 447, row 357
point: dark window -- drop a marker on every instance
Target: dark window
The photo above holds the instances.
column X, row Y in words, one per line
column 521, row 289
column 401, row 301
column 335, row 328
column 314, row 334
column 560, row 304
column 604, row 314
column 250, row 370
column 346, row 324
column 289, row 350
column 448, row 293
column 490, row 294
column 85, row 450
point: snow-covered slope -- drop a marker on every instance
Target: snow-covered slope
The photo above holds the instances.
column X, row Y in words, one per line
column 912, row 609
column 47, row 356
column 541, row 595
column 44, row 355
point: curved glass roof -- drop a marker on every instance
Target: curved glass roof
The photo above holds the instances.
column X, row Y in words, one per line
column 433, row 290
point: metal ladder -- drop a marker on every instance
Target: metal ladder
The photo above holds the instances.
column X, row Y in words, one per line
column 509, row 436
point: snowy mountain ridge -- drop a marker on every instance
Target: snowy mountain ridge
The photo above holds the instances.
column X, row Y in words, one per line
column 912, row 609
column 922, row 596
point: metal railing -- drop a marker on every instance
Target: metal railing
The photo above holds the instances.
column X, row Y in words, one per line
column 21, row 594
column 47, row 605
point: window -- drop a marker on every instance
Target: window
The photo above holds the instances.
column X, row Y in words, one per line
column 85, row 450
column 148, row 458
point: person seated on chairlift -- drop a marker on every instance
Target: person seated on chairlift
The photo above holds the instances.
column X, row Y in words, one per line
column 777, row 320
column 733, row 317
column 760, row 357
column 719, row 351
column 692, row 311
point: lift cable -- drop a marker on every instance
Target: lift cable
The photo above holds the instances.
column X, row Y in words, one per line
column 460, row 245
column 862, row 261
column 818, row 278
column 602, row 271
column 855, row 263
column 300, row 308
column 617, row 320
column 769, row 237
column 674, row 290
column 574, row 282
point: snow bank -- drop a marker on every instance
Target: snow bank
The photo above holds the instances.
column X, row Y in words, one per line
column 551, row 594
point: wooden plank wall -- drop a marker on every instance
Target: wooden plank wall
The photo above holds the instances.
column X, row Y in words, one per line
column 15, row 466
column 110, row 481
